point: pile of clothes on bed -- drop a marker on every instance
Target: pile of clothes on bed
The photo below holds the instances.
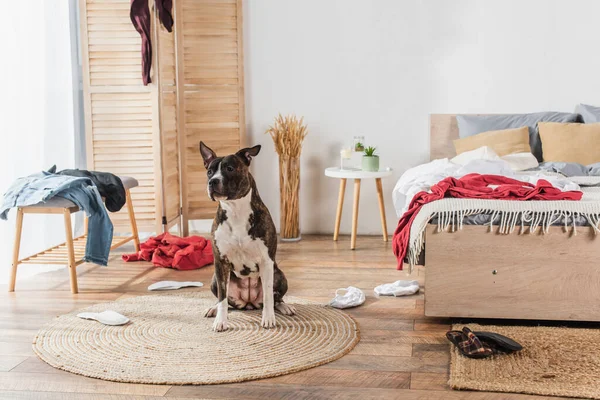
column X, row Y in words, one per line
column 473, row 187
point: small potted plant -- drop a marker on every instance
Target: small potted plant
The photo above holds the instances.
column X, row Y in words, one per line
column 359, row 147
column 370, row 161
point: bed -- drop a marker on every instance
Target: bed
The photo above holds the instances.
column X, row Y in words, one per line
column 478, row 272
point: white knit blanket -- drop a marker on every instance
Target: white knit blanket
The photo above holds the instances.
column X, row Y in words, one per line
column 533, row 214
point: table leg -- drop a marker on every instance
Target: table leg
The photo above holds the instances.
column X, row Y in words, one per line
column 381, row 208
column 340, row 205
column 355, row 213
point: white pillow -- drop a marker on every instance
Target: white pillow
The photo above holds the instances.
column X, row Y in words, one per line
column 521, row 161
column 481, row 153
column 485, row 167
column 516, row 161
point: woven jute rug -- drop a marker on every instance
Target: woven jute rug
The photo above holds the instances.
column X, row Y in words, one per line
column 554, row 362
column 168, row 341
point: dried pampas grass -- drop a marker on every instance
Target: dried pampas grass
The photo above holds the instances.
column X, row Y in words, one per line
column 288, row 133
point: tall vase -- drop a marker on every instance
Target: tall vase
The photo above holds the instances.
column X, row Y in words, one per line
column 289, row 195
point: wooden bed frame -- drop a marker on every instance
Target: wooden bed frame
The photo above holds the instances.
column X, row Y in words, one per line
column 478, row 273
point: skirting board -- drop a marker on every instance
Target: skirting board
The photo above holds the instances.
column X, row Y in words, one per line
column 477, row 273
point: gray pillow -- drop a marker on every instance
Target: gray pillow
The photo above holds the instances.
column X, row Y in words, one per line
column 469, row 125
column 590, row 114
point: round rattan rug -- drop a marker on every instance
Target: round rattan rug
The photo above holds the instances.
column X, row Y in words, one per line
column 168, row 341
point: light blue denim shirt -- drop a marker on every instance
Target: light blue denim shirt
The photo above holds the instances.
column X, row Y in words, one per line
column 40, row 187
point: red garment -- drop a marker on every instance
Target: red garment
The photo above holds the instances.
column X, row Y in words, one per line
column 474, row 186
column 171, row 251
column 140, row 18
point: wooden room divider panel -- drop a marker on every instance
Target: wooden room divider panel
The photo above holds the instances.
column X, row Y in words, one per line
column 166, row 63
column 152, row 132
column 121, row 126
column 211, row 95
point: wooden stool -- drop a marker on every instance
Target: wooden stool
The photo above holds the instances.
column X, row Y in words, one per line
column 72, row 251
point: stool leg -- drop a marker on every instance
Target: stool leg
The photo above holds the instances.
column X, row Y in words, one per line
column 338, row 214
column 70, row 250
column 17, row 246
column 180, row 226
column 381, row 208
column 134, row 230
column 355, row 213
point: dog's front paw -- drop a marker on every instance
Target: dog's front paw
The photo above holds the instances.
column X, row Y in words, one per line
column 220, row 325
column 210, row 312
column 285, row 309
column 268, row 319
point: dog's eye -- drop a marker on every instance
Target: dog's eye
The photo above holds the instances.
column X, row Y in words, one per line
column 209, row 172
column 230, row 168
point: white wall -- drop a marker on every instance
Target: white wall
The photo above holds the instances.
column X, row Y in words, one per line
column 36, row 115
column 378, row 68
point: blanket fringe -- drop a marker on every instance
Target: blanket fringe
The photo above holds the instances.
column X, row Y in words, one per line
column 452, row 220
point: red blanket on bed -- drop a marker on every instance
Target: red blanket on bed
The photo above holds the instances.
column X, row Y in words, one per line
column 474, row 186
column 172, row 251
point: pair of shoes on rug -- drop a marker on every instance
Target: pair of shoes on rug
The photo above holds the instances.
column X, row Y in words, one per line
column 481, row 344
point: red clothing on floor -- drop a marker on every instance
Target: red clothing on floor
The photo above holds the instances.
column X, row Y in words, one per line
column 172, row 251
column 474, row 186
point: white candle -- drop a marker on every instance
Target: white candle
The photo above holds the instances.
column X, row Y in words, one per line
column 346, row 153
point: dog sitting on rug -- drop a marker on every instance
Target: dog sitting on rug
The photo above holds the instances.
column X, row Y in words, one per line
column 244, row 242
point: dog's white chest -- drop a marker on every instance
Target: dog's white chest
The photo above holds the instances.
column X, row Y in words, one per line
column 235, row 243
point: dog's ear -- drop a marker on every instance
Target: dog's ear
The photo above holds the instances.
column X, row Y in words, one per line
column 207, row 154
column 248, row 153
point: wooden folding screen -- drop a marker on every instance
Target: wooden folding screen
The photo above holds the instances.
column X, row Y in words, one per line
column 210, row 62
column 152, row 132
column 165, row 62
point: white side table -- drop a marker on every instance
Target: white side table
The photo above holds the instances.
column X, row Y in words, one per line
column 357, row 175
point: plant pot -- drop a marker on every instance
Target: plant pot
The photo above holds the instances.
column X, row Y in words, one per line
column 370, row 163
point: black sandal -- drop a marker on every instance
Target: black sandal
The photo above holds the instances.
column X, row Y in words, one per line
column 499, row 342
column 468, row 344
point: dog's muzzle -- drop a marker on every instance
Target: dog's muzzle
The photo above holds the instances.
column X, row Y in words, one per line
column 215, row 189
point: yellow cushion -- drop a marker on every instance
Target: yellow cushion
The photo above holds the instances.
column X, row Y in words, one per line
column 503, row 142
column 570, row 142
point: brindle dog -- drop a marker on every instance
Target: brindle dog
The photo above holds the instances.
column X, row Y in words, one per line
column 244, row 241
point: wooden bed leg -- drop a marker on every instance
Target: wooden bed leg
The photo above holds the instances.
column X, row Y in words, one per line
column 340, row 205
column 70, row 250
column 381, row 208
column 134, row 230
column 355, row 213
column 17, row 246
